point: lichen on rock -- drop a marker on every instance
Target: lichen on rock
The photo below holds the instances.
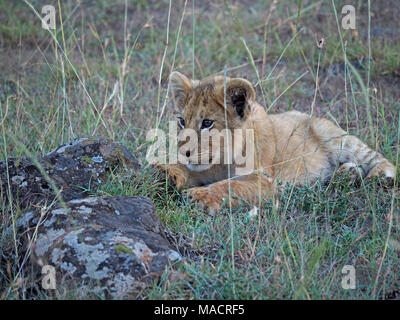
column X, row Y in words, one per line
column 73, row 169
column 98, row 246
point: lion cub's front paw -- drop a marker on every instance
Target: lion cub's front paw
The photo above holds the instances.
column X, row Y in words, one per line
column 384, row 171
column 204, row 198
column 351, row 169
column 174, row 173
column 177, row 177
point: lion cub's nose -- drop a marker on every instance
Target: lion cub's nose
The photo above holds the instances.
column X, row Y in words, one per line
column 186, row 152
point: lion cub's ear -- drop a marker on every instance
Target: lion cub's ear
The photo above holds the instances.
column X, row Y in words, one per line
column 179, row 85
column 239, row 92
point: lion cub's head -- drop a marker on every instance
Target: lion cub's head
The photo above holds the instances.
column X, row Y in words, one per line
column 202, row 116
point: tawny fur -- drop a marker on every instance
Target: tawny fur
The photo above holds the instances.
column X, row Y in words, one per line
column 290, row 147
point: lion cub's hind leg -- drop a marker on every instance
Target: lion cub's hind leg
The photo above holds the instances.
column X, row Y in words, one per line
column 384, row 170
column 379, row 167
column 353, row 155
column 355, row 171
column 373, row 163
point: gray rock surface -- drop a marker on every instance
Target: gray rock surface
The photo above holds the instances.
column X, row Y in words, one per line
column 72, row 169
column 113, row 243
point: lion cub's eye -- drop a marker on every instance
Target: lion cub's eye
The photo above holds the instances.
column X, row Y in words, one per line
column 207, row 124
column 182, row 122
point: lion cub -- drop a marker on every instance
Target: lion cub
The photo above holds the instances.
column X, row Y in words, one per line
column 290, row 147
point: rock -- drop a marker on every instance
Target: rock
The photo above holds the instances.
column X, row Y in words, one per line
column 113, row 243
column 73, row 169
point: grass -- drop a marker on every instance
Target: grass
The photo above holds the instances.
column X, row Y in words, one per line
column 104, row 71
